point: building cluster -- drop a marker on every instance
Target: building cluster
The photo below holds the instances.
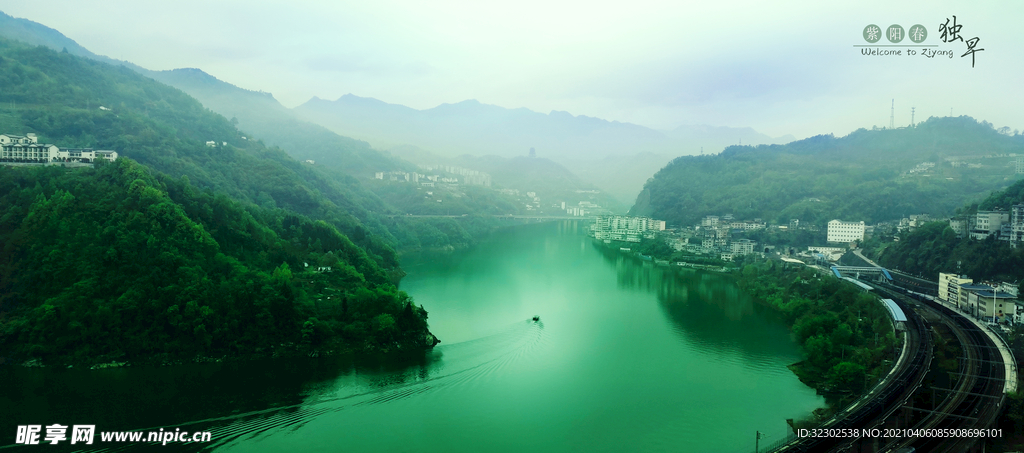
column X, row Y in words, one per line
column 713, row 236
column 469, row 177
column 18, row 149
column 911, row 223
column 831, row 254
column 1003, row 225
column 921, row 167
column 994, row 302
column 625, row 228
column 962, row 164
column 728, row 222
column 582, row 208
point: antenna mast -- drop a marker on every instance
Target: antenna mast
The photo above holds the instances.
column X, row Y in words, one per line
column 892, row 115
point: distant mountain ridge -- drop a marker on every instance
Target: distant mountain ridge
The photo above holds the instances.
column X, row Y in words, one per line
column 260, row 113
column 472, row 127
column 38, row 34
column 617, row 157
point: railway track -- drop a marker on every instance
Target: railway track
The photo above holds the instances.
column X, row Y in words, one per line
column 975, row 402
column 887, row 397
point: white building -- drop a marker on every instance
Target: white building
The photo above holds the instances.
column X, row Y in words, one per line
column 710, row 221
column 27, row 149
column 742, row 247
column 625, row 228
column 747, row 226
column 987, row 223
column 1016, row 224
column 840, row 231
column 959, row 226
column 949, row 287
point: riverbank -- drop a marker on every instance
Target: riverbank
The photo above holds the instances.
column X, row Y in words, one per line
column 283, row 351
column 845, row 334
column 647, row 250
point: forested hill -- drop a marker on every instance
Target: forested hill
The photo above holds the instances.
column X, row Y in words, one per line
column 875, row 175
column 935, row 248
column 195, row 249
column 252, row 111
column 58, row 96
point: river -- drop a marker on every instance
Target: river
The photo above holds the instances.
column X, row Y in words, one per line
column 626, row 356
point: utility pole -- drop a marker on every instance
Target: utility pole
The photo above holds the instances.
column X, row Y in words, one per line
column 757, row 442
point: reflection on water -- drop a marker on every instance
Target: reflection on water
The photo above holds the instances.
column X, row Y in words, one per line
column 706, row 308
column 626, row 357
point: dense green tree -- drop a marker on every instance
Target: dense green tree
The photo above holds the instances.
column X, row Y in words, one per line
column 178, row 248
column 845, row 334
column 862, row 176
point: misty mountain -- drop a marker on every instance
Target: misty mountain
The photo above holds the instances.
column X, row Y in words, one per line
column 552, row 181
column 622, row 177
column 253, row 111
column 38, row 34
column 713, row 138
column 617, row 157
column 276, row 125
column 614, row 156
column 471, row 127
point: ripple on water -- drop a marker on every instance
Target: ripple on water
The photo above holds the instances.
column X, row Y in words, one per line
column 455, row 366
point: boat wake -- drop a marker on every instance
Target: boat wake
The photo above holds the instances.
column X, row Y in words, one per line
column 449, row 367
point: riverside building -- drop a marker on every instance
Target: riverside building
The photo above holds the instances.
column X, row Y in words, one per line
column 625, row 228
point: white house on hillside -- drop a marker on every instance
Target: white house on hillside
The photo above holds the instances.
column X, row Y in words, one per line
column 27, row 150
column 840, row 231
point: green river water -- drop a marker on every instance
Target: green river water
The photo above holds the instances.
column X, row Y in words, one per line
column 627, row 357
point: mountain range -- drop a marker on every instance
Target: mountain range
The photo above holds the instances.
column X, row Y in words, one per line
column 472, row 127
column 616, row 156
column 349, row 132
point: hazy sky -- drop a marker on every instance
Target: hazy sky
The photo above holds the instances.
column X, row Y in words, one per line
column 788, row 68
